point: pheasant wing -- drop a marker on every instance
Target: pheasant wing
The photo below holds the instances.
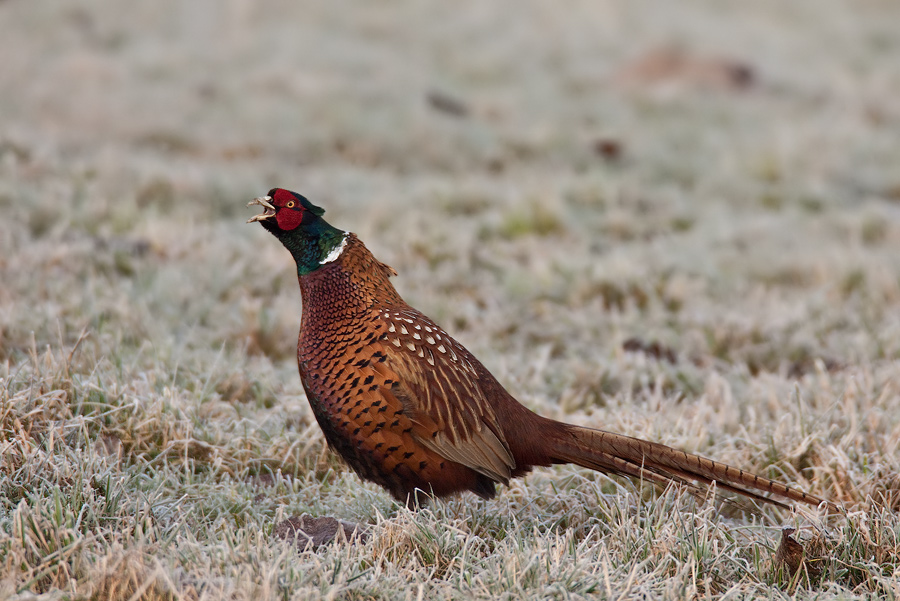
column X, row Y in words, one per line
column 438, row 387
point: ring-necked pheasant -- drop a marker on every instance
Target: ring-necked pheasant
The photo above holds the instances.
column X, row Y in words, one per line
column 411, row 409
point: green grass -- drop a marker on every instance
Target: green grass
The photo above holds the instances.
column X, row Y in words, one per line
column 728, row 283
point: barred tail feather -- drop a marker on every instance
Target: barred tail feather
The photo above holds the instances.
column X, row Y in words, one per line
column 614, row 453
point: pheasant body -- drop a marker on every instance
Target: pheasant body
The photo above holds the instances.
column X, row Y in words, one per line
column 409, row 408
column 359, row 352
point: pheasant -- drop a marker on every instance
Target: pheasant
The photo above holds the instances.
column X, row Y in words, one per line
column 409, row 408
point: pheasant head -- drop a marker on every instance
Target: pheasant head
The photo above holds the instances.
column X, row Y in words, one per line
column 298, row 224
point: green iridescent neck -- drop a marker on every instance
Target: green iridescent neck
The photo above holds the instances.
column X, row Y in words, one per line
column 314, row 245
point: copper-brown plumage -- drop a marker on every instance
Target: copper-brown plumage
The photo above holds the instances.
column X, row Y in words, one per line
column 409, row 408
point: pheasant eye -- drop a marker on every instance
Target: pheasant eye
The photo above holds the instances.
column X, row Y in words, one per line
column 290, row 204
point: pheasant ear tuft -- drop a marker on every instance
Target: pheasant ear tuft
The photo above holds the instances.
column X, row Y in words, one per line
column 317, row 211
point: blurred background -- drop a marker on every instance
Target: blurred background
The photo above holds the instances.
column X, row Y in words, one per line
column 660, row 160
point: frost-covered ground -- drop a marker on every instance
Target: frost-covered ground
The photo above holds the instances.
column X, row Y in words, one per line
column 679, row 221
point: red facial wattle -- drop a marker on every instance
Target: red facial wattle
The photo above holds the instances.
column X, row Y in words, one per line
column 289, row 212
column 288, row 218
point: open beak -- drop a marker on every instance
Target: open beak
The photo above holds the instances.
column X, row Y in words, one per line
column 262, row 201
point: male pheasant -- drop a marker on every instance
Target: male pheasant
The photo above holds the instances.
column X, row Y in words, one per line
column 409, row 408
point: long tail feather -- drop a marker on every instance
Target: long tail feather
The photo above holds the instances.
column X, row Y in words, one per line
column 614, row 453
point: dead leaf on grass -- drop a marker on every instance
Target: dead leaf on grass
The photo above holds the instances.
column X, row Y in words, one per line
column 447, row 104
column 306, row 530
column 792, row 557
column 675, row 66
column 654, row 349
